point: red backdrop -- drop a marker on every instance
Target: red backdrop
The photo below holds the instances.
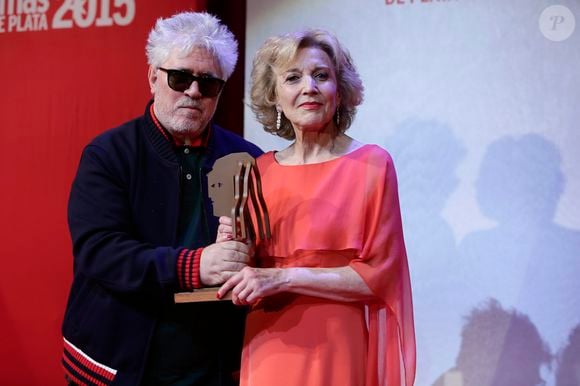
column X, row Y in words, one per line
column 60, row 87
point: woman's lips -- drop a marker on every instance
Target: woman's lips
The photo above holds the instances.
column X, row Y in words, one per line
column 310, row 105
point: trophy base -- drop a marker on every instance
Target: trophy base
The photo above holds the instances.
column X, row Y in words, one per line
column 200, row 295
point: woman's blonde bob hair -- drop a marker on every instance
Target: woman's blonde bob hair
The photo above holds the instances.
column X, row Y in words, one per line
column 276, row 54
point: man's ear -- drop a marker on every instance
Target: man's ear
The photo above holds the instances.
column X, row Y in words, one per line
column 152, row 77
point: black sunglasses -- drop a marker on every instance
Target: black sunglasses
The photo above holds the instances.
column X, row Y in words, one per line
column 180, row 81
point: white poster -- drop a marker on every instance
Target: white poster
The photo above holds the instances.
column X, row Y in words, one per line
column 478, row 103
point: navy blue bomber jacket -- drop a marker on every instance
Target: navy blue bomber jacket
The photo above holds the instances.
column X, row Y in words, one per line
column 123, row 216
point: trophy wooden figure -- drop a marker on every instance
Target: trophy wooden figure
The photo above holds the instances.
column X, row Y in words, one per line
column 235, row 189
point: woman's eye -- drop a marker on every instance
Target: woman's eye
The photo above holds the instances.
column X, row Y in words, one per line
column 321, row 76
column 292, row 78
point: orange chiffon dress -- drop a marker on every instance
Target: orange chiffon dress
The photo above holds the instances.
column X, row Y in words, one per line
column 342, row 212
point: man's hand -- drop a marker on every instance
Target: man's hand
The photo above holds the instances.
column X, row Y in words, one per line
column 222, row 260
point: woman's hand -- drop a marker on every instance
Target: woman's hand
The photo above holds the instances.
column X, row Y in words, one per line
column 225, row 233
column 225, row 229
column 251, row 284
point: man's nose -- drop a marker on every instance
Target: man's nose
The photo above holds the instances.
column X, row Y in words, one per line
column 193, row 90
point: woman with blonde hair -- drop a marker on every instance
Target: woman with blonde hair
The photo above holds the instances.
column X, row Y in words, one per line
column 330, row 296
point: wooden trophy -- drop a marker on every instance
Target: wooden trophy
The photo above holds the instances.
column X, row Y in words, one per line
column 233, row 181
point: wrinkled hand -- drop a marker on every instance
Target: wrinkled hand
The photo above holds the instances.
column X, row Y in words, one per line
column 221, row 261
column 251, row 284
column 225, row 229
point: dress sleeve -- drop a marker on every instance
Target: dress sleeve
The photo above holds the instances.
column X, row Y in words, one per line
column 383, row 266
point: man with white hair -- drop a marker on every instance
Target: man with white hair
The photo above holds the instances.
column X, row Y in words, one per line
column 142, row 227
